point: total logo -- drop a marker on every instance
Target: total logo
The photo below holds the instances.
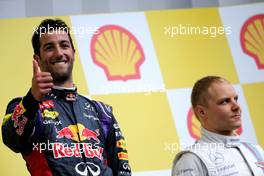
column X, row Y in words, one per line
column 83, row 169
column 78, row 133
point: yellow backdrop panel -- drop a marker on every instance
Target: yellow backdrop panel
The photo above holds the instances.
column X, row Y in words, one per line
column 185, row 58
column 255, row 99
column 148, row 125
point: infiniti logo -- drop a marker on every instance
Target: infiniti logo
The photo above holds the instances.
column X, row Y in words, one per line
column 82, row 169
column 126, row 166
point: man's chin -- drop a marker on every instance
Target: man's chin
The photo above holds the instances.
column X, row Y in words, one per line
column 237, row 127
column 60, row 78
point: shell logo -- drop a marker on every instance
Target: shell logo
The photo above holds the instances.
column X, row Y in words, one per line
column 194, row 126
column 117, row 52
column 252, row 39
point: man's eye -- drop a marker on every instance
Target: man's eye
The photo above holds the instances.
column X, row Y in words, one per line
column 224, row 101
column 65, row 45
column 236, row 98
column 48, row 48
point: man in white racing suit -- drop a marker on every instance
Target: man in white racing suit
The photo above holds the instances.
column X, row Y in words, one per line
column 219, row 152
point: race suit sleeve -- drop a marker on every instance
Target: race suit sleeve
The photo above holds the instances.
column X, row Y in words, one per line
column 18, row 124
column 189, row 165
column 117, row 156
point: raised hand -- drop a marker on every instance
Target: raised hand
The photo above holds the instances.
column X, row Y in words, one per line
column 42, row 82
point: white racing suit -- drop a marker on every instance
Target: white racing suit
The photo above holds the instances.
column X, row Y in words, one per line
column 218, row 155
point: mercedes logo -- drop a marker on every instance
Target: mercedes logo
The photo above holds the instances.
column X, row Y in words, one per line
column 216, row 157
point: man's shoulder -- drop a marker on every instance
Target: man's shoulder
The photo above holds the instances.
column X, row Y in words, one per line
column 186, row 156
column 12, row 103
column 15, row 100
column 188, row 163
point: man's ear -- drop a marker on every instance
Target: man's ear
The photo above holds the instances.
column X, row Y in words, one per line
column 37, row 58
column 200, row 111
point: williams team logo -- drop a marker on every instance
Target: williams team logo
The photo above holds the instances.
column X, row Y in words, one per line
column 252, row 39
column 118, row 52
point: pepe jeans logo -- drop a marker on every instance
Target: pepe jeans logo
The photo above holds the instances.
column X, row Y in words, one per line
column 83, row 168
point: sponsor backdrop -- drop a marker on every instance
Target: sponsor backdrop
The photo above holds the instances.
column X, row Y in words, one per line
column 144, row 65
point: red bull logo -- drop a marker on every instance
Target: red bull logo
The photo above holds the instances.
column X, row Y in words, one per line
column 61, row 150
column 19, row 110
column 78, row 133
column 65, row 132
column 89, row 134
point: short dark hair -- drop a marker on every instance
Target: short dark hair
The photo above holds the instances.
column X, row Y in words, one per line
column 45, row 26
column 200, row 89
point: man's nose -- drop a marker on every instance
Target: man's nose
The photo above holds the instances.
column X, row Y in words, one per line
column 58, row 52
column 235, row 106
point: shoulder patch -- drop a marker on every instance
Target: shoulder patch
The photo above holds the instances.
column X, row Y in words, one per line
column 12, row 104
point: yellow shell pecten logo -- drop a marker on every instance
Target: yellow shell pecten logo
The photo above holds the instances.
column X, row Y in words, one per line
column 252, row 39
column 117, row 52
column 193, row 125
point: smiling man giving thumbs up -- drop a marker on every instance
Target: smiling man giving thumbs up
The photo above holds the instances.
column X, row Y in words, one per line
column 50, row 127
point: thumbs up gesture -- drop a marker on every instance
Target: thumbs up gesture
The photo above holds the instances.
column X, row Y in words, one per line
column 42, row 82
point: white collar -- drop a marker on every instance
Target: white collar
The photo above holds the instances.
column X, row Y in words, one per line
column 211, row 137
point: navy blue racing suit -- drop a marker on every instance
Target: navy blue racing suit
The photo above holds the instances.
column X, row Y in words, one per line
column 65, row 134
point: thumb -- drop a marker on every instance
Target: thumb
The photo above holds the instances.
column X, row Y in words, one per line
column 36, row 68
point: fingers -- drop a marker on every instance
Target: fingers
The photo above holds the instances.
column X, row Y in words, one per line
column 42, row 82
column 45, row 91
column 45, row 85
column 36, row 68
column 43, row 77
